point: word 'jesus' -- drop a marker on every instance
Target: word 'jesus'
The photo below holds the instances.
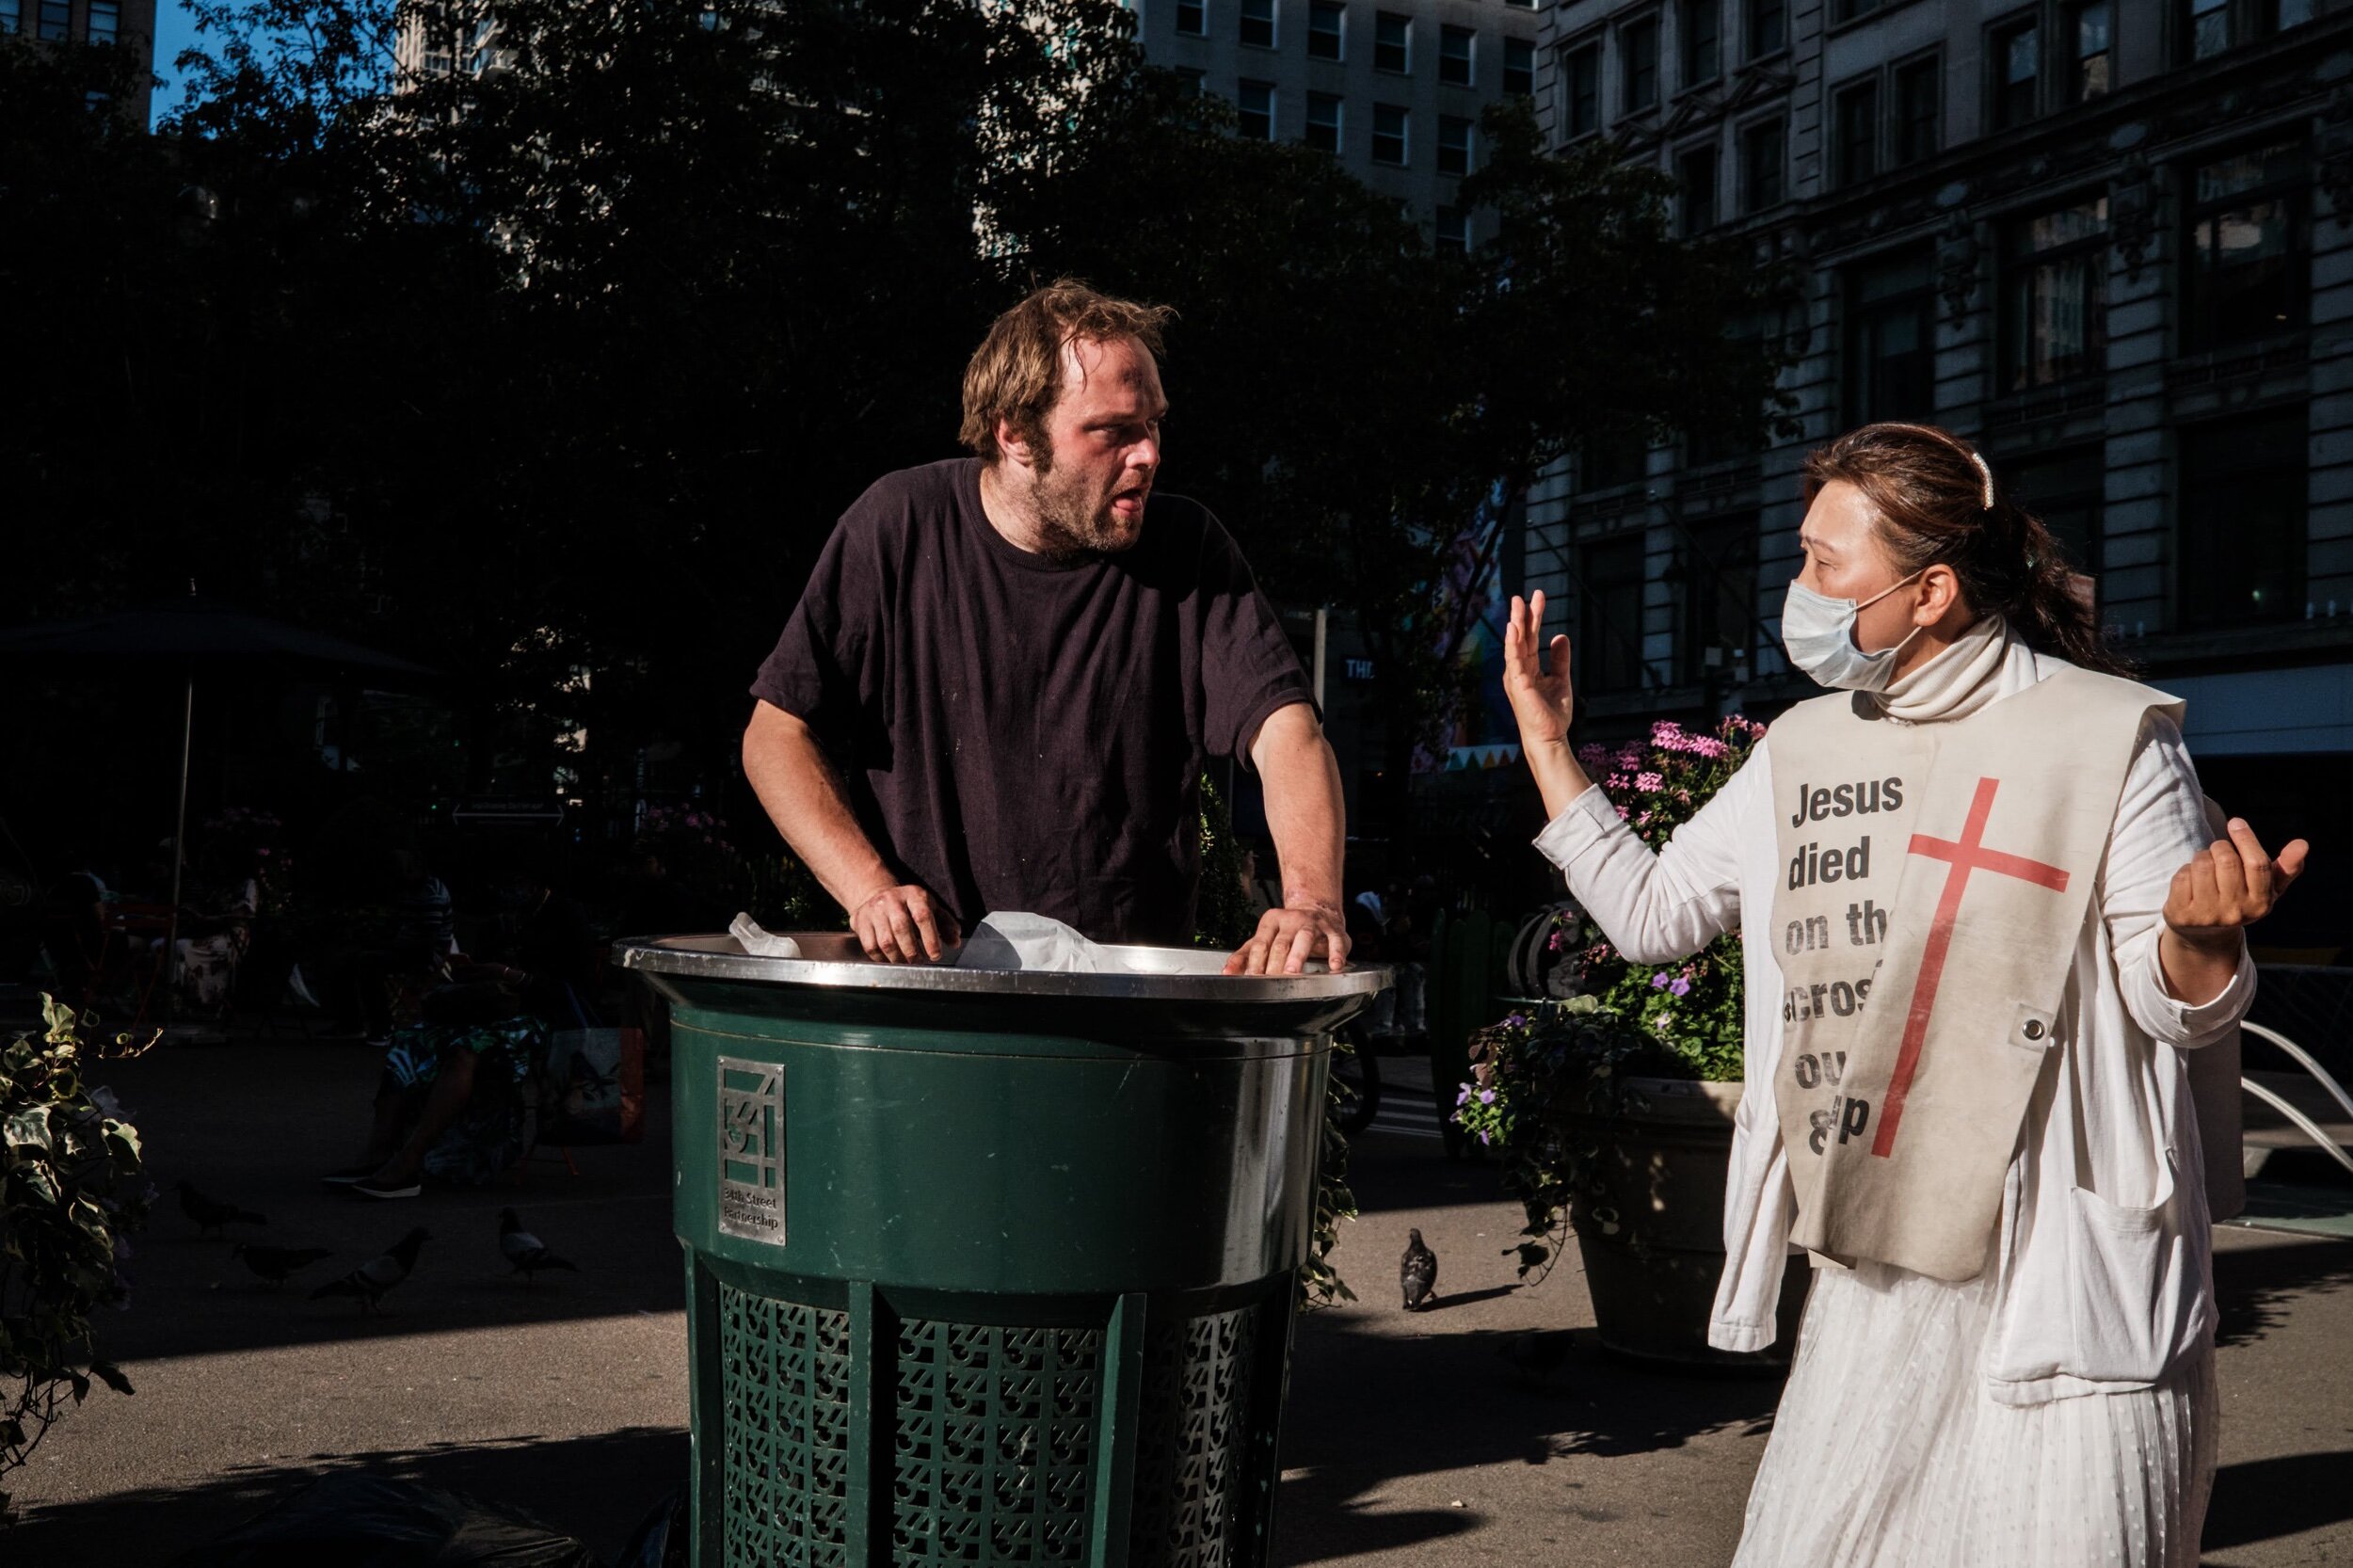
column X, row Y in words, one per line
column 1847, row 800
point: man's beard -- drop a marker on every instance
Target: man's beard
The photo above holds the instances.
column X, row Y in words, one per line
column 1072, row 525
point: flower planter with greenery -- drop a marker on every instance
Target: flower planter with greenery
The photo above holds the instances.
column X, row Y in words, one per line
column 1613, row 1112
column 71, row 1187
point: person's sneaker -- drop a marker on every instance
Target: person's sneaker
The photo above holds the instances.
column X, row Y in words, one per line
column 346, row 1178
column 373, row 1189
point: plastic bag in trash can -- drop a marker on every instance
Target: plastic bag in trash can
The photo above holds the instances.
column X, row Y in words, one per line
column 1025, row 941
column 759, row 941
column 366, row 1522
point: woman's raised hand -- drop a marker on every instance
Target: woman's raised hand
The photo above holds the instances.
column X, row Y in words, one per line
column 1541, row 699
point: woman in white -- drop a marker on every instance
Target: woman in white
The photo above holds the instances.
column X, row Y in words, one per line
column 2059, row 1407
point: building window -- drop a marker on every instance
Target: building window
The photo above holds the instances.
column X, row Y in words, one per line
column 1388, row 134
column 2055, row 296
column 1196, row 82
column 1720, row 596
column 57, row 20
column 1765, row 23
column 2244, row 277
column 1454, row 231
column 1521, row 5
column 1454, row 55
column 2066, row 490
column 1519, row 67
column 1891, row 338
column 1258, row 24
column 2015, row 61
column 2092, row 57
column 1192, row 17
column 1609, row 614
column 1392, row 42
column 1846, row 11
column 1858, row 121
column 1637, row 53
column 2207, row 28
column 1257, row 101
column 1695, row 188
column 11, row 15
column 1763, row 156
column 1584, row 91
column 1454, row 145
column 1608, row 463
column 2242, row 519
column 1325, row 130
column 106, row 20
column 1919, row 110
column 1699, row 25
column 1324, row 23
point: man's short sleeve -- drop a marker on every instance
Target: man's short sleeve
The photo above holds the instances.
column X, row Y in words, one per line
column 823, row 668
column 1248, row 668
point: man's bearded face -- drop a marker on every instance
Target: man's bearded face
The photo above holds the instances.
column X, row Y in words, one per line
column 1103, row 448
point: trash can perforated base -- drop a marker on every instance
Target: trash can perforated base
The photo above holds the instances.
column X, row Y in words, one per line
column 1003, row 1440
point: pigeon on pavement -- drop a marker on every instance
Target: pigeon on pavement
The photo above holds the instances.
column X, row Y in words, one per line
column 370, row 1280
column 526, row 1252
column 1418, row 1272
column 210, row 1214
column 275, row 1263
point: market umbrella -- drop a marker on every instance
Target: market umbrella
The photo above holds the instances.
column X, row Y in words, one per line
column 195, row 634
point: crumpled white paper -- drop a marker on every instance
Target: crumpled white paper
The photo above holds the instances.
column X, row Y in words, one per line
column 1015, row 940
column 760, row 943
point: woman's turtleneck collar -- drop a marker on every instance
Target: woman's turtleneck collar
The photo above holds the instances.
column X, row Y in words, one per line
column 1958, row 681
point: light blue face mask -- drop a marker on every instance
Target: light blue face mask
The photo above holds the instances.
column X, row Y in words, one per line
column 1818, row 634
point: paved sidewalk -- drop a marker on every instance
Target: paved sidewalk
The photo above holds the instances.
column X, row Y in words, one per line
column 1411, row 1439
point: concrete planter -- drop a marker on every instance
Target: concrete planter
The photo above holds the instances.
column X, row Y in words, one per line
column 1653, row 1280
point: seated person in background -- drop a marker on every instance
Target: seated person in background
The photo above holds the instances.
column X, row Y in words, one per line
column 450, row 1102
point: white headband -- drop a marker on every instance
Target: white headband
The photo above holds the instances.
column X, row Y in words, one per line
column 1987, row 474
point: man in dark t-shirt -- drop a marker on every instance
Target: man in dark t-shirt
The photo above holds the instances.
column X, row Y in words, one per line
column 1000, row 685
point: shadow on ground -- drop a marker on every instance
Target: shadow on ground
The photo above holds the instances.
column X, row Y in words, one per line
column 256, row 1123
column 2254, row 1287
column 2264, row 1498
column 598, row 1489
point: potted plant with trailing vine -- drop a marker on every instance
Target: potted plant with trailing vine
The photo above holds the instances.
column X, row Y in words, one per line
column 1612, row 1110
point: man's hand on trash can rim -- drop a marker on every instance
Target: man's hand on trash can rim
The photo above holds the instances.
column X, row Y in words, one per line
column 900, row 925
column 1288, row 937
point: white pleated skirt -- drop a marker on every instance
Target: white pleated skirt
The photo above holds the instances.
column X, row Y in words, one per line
column 1888, row 1452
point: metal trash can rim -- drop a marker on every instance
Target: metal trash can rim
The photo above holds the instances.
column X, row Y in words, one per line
column 833, row 959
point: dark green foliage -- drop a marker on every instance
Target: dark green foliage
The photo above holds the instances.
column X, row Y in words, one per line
column 71, row 1187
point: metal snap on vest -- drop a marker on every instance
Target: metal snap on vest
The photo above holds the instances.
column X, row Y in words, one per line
column 2033, row 1029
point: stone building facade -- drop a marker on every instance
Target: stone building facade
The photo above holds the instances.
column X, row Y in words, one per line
column 2111, row 241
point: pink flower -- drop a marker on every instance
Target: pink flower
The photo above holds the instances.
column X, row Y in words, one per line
column 1649, row 782
column 1593, row 757
column 1707, row 745
column 1615, row 781
column 1623, row 813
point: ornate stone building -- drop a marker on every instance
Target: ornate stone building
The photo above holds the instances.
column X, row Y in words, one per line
column 2111, row 240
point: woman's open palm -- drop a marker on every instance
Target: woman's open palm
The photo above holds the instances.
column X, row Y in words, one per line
column 1540, row 698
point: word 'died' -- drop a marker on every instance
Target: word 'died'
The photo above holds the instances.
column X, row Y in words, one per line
column 1813, row 864
column 1817, row 803
column 1846, row 1116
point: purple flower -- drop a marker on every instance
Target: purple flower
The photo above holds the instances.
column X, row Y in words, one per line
column 1482, row 1137
column 1658, row 981
column 1681, row 987
column 1463, row 1097
column 1486, row 1096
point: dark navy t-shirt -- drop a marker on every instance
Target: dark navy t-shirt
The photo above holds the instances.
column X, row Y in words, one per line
column 1019, row 733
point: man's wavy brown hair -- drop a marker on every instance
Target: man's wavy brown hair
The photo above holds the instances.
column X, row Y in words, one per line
column 1016, row 374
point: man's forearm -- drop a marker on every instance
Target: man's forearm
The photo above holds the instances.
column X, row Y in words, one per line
column 789, row 771
column 1304, row 810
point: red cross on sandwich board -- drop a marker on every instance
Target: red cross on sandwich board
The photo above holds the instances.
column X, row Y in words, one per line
column 1968, row 854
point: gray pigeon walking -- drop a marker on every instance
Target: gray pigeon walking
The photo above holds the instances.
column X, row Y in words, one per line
column 210, row 1213
column 526, row 1252
column 1418, row 1272
column 370, row 1280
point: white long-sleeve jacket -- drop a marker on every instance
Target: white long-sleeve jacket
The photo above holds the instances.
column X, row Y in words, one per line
column 2103, row 1259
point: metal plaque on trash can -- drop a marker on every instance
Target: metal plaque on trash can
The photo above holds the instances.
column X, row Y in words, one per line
column 752, row 1149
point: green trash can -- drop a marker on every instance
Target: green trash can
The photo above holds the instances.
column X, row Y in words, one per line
column 989, row 1267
